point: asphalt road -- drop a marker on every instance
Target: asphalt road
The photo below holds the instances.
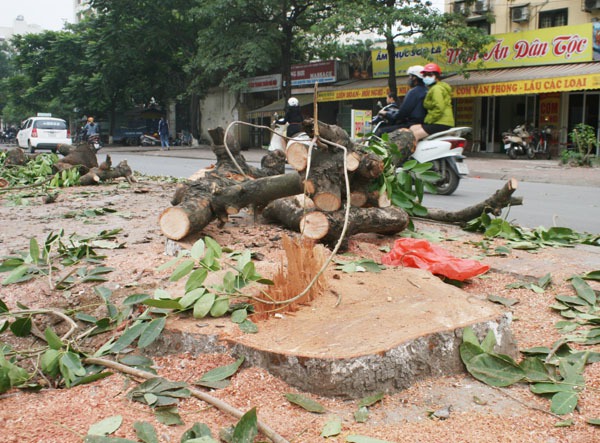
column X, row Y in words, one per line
column 544, row 204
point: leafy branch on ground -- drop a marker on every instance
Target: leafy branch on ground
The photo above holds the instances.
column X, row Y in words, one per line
column 555, row 372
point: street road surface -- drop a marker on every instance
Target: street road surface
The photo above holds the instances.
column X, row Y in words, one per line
column 544, row 204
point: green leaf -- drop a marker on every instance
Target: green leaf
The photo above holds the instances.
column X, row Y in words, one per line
column 162, row 303
column 468, row 351
column 145, row 432
column 191, row 297
column 305, row 402
column 106, row 426
column 593, row 275
column 128, row 336
column 239, row 315
column 470, row 337
column 502, row 300
column 214, row 246
column 21, row 327
column 199, row 430
column 220, row 307
column 196, row 279
column 564, row 423
column 104, row 439
column 182, row 269
column 493, row 370
column 221, row 373
column 535, row 370
column 17, row 275
column 197, row 250
column 371, row 399
column 3, row 307
column 246, row 429
column 361, row 415
column 564, row 402
column 593, row 421
column 584, row 290
column 49, row 362
column 54, row 341
column 550, row 388
column 203, row 305
column 151, row 332
column 34, row 250
column 332, row 427
column 489, row 342
column 168, row 416
column 248, row 327
column 135, row 299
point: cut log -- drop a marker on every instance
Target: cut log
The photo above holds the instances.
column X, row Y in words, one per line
column 313, row 224
column 297, row 155
column 494, row 204
column 105, row 173
column 203, row 201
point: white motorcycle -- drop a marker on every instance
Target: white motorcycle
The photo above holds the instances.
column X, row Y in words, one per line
column 516, row 142
column 445, row 151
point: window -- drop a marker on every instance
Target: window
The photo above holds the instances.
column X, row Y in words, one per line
column 482, row 24
column 550, row 19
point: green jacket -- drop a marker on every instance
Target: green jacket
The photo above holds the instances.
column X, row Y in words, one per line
column 438, row 103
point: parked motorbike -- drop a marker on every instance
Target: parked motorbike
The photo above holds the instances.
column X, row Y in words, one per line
column 518, row 142
column 149, row 140
column 94, row 142
column 444, row 150
column 540, row 140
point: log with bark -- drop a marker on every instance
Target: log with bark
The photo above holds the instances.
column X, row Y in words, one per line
column 105, row 173
column 327, row 226
column 82, row 156
column 225, row 189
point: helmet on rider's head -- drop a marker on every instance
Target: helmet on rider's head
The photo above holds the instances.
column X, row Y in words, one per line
column 293, row 101
column 90, row 119
column 415, row 70
column 431, row 67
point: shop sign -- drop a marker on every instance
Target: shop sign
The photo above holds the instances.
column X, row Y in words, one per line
column 549, row 109
column 358, row 94
column 547, row 46
column 264, row 83
column 311, row 73
column 536, row 86
column 361, row 122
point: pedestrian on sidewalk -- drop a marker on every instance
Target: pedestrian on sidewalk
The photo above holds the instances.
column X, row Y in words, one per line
column 163, row 132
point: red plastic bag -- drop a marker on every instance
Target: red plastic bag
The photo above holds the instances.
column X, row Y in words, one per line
column 419, row 253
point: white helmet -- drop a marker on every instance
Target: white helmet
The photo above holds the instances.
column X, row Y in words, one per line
column 415, row 70
column 293, row 101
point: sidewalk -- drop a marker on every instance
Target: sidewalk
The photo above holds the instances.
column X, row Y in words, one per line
column 494, row 166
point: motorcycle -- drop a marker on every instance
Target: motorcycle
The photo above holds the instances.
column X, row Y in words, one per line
column 94, row 142
column 444, row 150
column 540, row 140
column 149, row 140
column 517, row 142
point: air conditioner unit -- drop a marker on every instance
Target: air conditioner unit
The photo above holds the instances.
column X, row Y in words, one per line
column 461, row 8
column 520, row 14
column 481, row 6
column 592, row 5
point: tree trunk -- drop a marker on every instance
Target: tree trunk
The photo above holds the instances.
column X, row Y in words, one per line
column 327, row 226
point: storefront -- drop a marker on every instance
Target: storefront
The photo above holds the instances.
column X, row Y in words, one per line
column 547, row 77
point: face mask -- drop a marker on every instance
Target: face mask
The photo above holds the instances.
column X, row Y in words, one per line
column 429, row 80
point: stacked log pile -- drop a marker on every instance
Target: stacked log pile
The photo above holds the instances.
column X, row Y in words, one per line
column 331, row 170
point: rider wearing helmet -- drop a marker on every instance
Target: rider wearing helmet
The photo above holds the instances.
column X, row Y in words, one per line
column 437, row 102
column 293, row 117
column 411, row 111
column 90, row 128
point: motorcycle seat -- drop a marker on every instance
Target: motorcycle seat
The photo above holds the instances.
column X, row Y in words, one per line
column 458, row 132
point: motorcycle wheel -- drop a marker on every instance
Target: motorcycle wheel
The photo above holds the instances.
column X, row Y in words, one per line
column 512, row 153
column 530, row 153
column 449, row 181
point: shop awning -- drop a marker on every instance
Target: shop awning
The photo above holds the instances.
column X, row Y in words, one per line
column 279, row 106
column 493, row 82
column 528, row 80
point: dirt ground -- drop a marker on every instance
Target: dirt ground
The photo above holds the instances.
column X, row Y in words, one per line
column 476, row 412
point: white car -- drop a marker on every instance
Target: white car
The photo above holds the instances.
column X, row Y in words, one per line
column 43, row 133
